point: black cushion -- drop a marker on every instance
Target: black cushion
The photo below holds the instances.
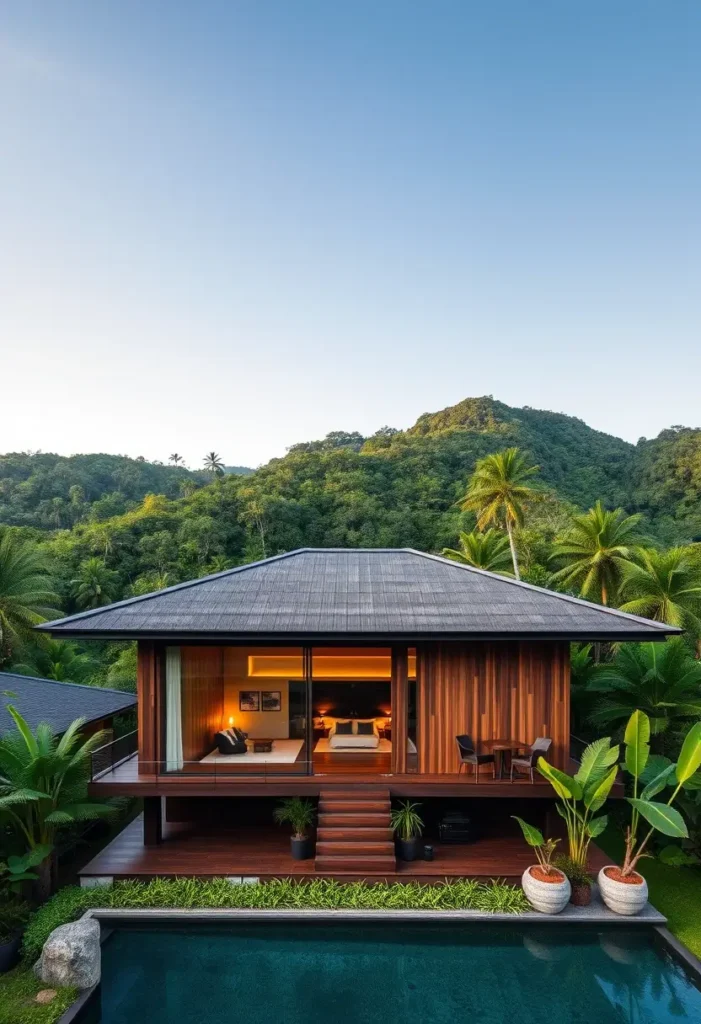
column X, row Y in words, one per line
column 240, row 736
column 344, row 728
column 366, row 728
column 225, row 745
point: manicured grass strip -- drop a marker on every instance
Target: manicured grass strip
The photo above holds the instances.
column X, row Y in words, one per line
column 675, row 892
column 17, row 991
column 198, row 893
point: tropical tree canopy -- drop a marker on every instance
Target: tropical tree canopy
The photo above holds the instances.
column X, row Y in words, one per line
column 660, row 679
column 596, row 550
column 95, row 585
column 665, row 586
column 213, row 463
column 498, row 491
column 59, row 660
column 27, row 594
column 488, row 551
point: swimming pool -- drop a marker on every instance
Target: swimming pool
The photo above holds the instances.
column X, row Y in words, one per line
column 387, row 972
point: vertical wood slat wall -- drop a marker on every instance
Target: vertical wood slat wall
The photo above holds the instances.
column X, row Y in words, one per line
column 400, row 708
column 147, row 716
column 202, row 699
column 511, row 689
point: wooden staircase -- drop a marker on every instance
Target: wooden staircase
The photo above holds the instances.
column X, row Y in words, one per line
column 354, row 835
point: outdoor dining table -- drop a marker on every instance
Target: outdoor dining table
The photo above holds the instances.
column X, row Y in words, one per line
column 500, row 748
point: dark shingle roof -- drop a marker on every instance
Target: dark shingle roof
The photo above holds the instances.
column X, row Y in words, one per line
column 59, row 704
column 356, row 592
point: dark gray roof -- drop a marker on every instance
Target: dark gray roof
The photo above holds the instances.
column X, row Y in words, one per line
column 355, row 592
column 59, row 704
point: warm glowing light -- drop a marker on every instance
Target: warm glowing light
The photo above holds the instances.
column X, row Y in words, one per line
column 231, row 720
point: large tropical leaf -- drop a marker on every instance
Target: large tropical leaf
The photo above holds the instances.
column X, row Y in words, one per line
column 532, row 835
column 662, row 817
column 690, row 757
column 637, row 742
column 564, row 785
column 597, row 758
column 596, row 794
column 659, row 782
column 596, row 826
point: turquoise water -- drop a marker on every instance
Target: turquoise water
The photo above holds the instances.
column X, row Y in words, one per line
column 386, row 973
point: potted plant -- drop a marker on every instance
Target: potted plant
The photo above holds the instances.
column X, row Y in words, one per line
column 299, row 813
column 580, row 880
column 407, row 826
column 546, row 887
column 624, row 890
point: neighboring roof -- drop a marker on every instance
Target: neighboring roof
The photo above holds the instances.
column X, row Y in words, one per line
column 317, row 592
column 59, row 704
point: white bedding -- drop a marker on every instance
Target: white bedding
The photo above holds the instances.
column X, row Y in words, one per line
column 353, row 742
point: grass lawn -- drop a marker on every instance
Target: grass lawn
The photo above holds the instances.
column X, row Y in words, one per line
column 17, row 991
column 675, row 892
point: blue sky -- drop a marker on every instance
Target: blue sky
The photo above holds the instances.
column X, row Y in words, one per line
column 239, row 225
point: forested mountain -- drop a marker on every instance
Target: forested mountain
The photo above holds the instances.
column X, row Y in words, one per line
column 152, row 524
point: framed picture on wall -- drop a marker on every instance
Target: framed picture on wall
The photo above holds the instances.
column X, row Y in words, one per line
column 272, row 700
column 249, row 700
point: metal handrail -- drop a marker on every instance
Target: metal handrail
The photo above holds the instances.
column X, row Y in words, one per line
column 112, row 754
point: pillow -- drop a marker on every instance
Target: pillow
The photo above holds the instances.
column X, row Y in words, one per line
column 344, row 728
column 239, row 736
column 225, row 744
column 366, row 728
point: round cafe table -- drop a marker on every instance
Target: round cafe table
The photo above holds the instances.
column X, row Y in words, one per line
column 500, row 748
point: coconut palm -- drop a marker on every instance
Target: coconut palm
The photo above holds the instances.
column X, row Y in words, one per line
column 489, row 551
column 27, row 595
column 596, row 548
column 213, row 463
column 176, row 459
column 57, row 659
column 43, row 785
column 661, row 679
column 498, row 491
column 665, row 586
column 95, row 585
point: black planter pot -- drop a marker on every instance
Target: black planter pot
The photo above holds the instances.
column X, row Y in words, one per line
column 302, row 849
column 409, row 849
column 9, row 953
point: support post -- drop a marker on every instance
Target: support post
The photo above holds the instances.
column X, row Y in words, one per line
column 153, row 821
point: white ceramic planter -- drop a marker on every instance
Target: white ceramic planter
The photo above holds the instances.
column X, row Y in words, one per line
column 547, row 897
column 622, row 897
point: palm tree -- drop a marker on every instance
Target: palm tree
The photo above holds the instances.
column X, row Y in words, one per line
column 661, row 679
column 27, row 596
column 175, row 459
column 43, row 785
column 214, row 464
column 596, row 549
column 95, row 585
column 489, row 551
column 59, row 660
column 665, row 586
column 498, row 491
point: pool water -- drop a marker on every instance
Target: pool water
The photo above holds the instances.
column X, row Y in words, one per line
column 391, row 972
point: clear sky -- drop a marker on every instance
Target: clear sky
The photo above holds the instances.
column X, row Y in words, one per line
column 243, row 224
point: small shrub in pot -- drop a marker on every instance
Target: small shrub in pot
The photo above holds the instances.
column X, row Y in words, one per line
column 580, row 879
column 546, row 887
column 299, row 813
column 408, row 826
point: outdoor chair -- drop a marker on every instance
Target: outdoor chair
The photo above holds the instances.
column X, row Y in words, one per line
column 528, row 762
column 468, row 755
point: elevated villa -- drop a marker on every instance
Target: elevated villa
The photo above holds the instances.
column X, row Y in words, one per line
column 354, row 677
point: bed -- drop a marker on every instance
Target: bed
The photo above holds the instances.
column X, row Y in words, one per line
column 364, row 734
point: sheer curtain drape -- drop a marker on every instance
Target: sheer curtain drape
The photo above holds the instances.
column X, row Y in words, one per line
column 174, row 725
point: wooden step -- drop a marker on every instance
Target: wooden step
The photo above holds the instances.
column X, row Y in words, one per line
column 356, row 793
column 364, row 819
column 341, row 832
column 357, row 864
column 327, row 806
column 351, row 848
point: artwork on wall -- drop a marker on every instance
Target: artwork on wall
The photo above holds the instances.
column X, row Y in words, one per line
column 249, row 700
column 272, row 700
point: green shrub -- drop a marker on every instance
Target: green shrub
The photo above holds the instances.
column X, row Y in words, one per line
column 319, row 893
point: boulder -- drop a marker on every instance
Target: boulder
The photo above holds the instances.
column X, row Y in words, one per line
column 71, row 955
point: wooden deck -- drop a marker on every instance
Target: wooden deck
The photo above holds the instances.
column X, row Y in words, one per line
column 272, row 780
column 264, row 852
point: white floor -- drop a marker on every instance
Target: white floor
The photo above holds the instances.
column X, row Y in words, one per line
column 283, row 752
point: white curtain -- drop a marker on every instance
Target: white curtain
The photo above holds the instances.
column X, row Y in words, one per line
column 174, row 724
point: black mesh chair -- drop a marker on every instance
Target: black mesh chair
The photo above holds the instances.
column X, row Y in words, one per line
column 527, row 763
column 468, row 755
